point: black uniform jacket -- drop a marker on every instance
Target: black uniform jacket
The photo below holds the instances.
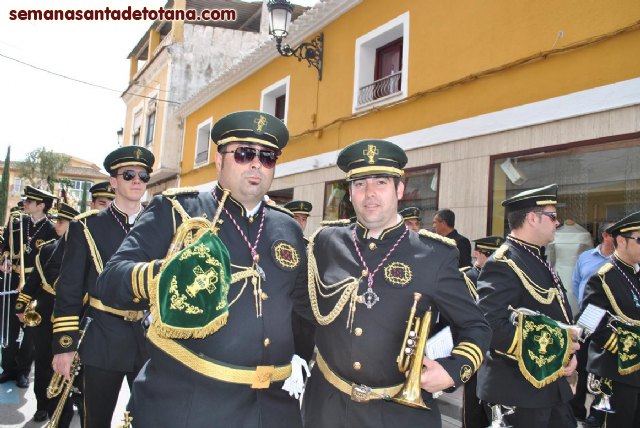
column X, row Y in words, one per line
column 167, row 393
column 624, row 302
column 39, row 232
column 500, row 380
column 464, row 246
column 40, row 284
column 366, row 353
column 111, row 342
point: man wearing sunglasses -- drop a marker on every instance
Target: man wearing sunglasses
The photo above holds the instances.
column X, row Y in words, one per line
column 518, row 275
column 614, row 352
column 113, row 346
column 204, row 372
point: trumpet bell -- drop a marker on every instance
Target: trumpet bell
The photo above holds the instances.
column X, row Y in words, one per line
column 31, row 317
column 604, row 404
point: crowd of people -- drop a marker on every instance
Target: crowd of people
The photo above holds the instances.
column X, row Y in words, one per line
column 214, row 305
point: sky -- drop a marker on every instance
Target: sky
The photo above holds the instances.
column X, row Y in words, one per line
column 39, row 109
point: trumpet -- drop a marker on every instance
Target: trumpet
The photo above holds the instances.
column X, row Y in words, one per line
column 497, row 416
column 31, row 317
column 603, row 400
column 575, row 330
column 59, row 384
column 410, row 358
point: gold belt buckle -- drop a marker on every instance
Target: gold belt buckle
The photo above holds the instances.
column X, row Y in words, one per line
column 131, row 316
column 262, row 377
column 360, row 393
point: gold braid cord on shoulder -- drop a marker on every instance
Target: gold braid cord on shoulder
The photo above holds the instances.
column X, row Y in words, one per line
column 41, row 273
column 614, row 304
column 471, row 286
column 93, row 248
column 541, row 295
column 348, row 287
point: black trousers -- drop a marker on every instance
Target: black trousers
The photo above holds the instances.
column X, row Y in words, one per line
column 626, row 402
column 473, row 415
column 100, row 391
column 17, row 357
column 558, row 416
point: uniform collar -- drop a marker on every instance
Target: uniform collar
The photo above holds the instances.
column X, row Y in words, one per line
column 121, row 214
column 390, row 233
column 624, row 265
column 234, row 207
column 536, row 250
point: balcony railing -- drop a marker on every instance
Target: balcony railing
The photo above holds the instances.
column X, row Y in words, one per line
column 388, row 85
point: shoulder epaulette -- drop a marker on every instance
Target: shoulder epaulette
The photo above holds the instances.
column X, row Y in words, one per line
column 499, row 254
column 281, row 209
column 450, row 242
column 605, row 268
column 175, row 191
column 42, row 244
column 86, row 214
column 464, row 269
column 341, row 222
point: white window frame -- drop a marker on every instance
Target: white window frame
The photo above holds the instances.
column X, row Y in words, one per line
column 19, row 182
column 365, row 61
column 269, row 94
column 207, row 123
column 136, row 130
column 152, row 108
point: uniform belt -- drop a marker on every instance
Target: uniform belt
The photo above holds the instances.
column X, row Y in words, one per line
column 258, row 377
column 359, row 393
column 126, row 315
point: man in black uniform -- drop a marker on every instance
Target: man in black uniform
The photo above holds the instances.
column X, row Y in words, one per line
column 412, row 218
column 303, row 329
column 473, row 414
column 36, row 229
column 614, row 354
column 366, row 276
column 113, row 347
column 517, row 275
column 444, row 222
column 201, row 372
column 101, row 195
column 40, row 285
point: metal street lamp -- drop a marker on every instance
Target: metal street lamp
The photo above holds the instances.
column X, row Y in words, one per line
column 279, row 19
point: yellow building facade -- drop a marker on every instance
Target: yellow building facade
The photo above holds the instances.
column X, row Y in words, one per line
column 488, row 99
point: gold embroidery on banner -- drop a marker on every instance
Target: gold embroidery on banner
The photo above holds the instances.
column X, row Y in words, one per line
column 203, row 281
column 398, row 273
column 544, row 338
column 629, row 341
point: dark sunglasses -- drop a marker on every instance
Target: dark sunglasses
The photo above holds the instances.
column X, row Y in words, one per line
column 244, row 155
column 633, row 238
column 552, row 216
column 129, row 175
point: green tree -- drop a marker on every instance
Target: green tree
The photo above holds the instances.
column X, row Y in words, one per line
column 42, row 168
column 83, row 200
column 4, row 187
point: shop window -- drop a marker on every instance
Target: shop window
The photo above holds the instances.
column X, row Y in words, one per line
column 597, row 183
column 421, row 190
column 202, row 143
column 381, row 60
column 281, row 196
column 275, row 99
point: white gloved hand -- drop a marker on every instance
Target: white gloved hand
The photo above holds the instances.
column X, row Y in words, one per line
column 294, row 384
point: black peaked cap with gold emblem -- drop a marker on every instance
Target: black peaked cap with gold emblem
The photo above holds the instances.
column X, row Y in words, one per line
column 129, row 156
column 540, row 197
column 299, row 207
column 103, row 189
column 489, row 243
column 66, row 211
column 409, row 213
column 33, row 194
column 366, row 158
column 626, row 225
column 250, row 127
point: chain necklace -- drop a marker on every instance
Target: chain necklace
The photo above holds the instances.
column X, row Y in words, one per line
column 27, row 246
column 126, row 230
column 255, row 257
column 370, row 297
column 634, row 290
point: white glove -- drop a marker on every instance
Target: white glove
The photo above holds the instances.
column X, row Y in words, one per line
column 294, row 384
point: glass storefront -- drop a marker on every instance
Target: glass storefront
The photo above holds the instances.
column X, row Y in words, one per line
column 421, row 190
